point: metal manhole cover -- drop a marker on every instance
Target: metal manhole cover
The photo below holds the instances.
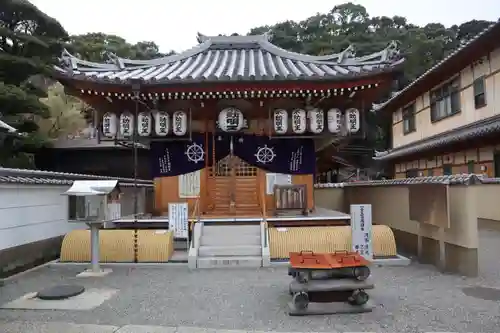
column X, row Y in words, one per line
column 488, row 294
column 60, row 292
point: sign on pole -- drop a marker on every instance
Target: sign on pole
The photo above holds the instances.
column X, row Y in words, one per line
column 178, row 219
column 361, row 227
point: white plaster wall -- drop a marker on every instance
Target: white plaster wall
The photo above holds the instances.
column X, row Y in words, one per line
column 30, row 213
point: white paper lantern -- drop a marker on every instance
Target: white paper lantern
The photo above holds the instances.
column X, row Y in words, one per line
column 299, row 121
column 126, row 124
column 316, row 121
column 179, row 123
column 144, row 124
column 280, row 121
column 109, row 124
column 352, row 119
column 231, row 120
column 161, row 123
column 334, row 120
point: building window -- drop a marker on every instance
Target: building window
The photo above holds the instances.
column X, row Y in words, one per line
column 409, row 124
column 496, row 164
column 479, row 93
column 470, row 166
column 445, row 100
column 412, row 173
column 447, row 169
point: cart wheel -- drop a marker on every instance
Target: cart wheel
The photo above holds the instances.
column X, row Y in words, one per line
column 358, row 297
column 361, row 273
column 300, row 300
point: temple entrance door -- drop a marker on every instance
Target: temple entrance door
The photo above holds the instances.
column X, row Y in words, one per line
column 233, row 188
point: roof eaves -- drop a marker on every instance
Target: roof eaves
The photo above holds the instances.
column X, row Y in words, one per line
column 454, row 54
column 480, row 128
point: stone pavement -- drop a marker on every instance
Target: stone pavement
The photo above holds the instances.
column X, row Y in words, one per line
column 54, row 327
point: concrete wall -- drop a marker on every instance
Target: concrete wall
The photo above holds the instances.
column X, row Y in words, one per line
column 33, row 220
column 453, row 249
column 489, row 67
column 488, row 207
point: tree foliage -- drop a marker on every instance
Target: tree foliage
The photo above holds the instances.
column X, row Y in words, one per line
column 30, row 42
column 351, row 24
column 98, row 46
column 66, row 114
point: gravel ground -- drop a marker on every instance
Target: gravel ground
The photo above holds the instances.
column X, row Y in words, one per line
column 415, row 298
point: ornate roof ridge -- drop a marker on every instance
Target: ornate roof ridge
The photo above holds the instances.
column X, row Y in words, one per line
column 347, row 57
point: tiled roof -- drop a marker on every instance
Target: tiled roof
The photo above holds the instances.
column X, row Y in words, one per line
column 459, row 179
column 40, row 177
column 233, row 58
column 478, row 129
column 470, row 44
column 34, row 180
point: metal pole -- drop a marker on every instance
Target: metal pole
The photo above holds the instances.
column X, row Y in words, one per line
column 136, row 159
column 136, row 87
column 94, row 248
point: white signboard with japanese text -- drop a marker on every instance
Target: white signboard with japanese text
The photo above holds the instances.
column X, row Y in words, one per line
column 361, row 226
column 276, row 179
column 178, row 219
column 189, row 184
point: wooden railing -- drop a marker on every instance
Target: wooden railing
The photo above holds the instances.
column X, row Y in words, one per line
column 195, row 215
column 290, row 198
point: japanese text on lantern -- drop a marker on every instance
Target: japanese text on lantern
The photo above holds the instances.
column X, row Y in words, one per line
column 279, row 122
column 232, row 120
column 178, row 122
column 297, row 122
column 162, row 119
column 126, row 124
column 106, row 125
column 145, row 124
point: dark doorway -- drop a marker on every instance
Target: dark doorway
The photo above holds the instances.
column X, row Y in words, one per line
column 496, row 164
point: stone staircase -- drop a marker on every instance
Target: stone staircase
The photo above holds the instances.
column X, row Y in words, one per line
column 219, row 246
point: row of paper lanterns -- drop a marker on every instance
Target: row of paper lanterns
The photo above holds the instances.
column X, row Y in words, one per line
column 230, row 120
column 314, row 120
column 145, row 124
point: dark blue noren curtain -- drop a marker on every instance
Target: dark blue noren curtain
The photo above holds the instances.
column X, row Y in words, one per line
column 288, row 156
column 173, row 158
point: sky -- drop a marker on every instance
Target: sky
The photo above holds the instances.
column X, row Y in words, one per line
column 174, row 24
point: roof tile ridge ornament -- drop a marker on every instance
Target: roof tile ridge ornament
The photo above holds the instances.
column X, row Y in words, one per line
column 67, row 60
column 71, row 62
column 347, row 54
column 390, row 54
column 203, row 46
column 221, row 39
column 112, row 58
column 278, row 51
column 381, row 153
column 393, row 51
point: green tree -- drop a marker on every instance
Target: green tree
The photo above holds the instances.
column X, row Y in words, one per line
column 66, row 114
column 30, row 42
column 96, row 47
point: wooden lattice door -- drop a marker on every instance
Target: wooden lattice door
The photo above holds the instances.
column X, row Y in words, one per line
column 234, row 187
